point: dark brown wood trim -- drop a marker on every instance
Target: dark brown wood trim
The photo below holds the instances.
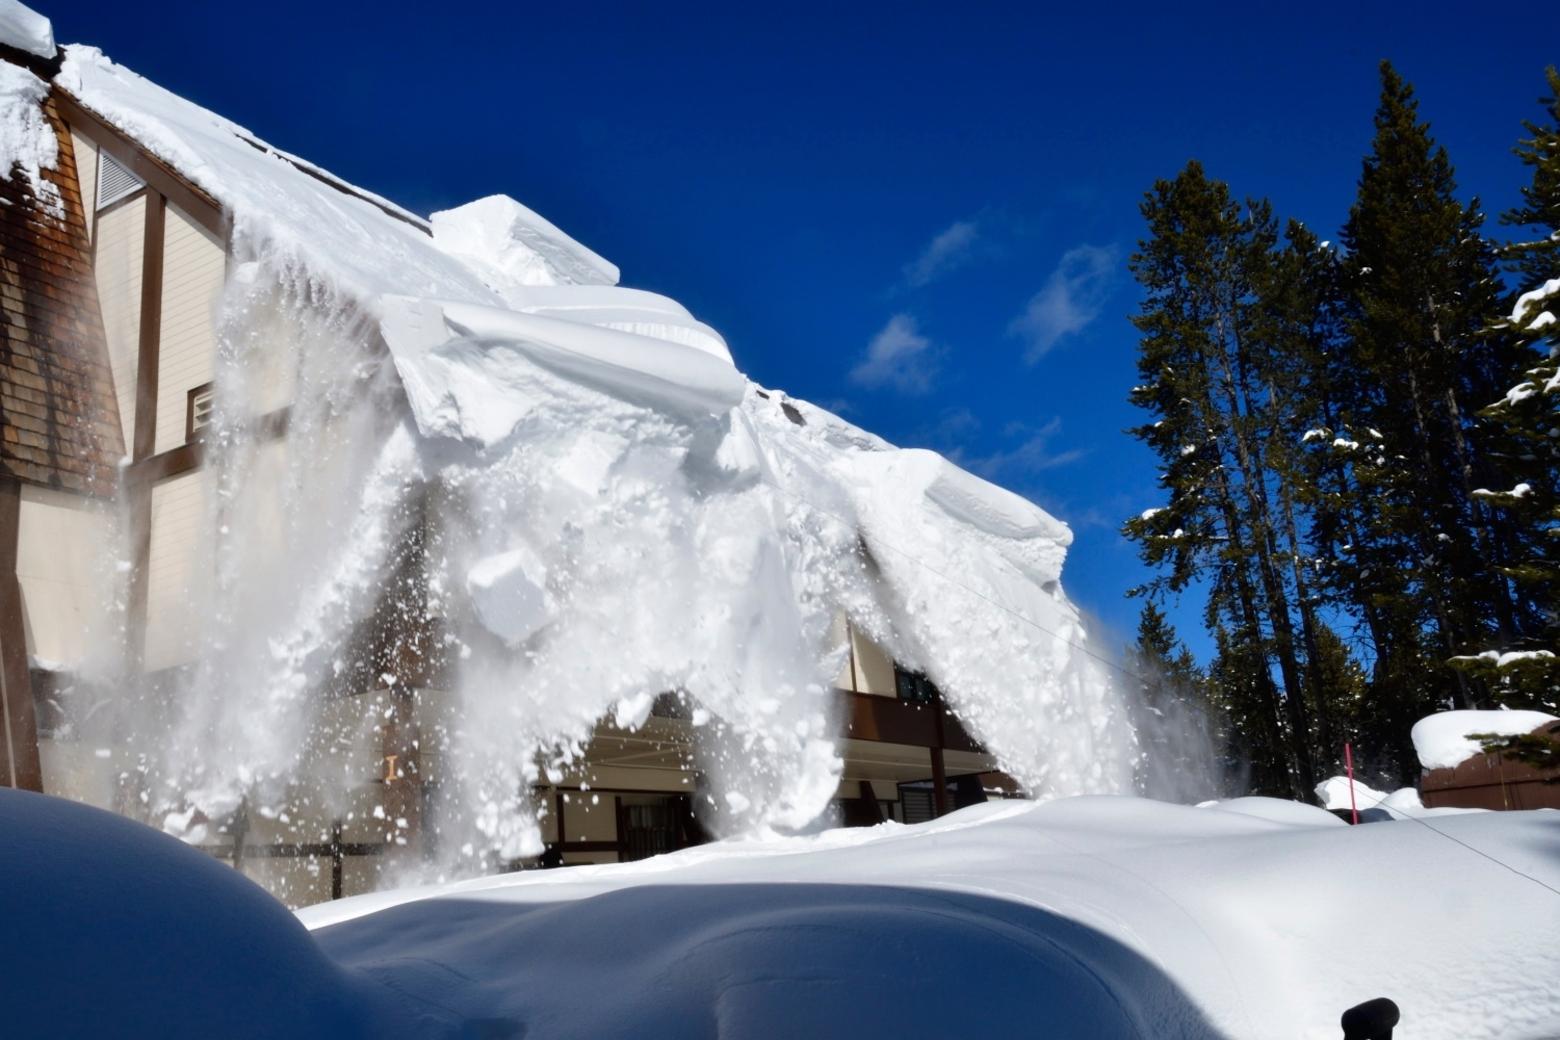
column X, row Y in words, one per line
column 939, row 783
column 162, row 178
column 145, row 438
column 587, row 846
column 22, row 767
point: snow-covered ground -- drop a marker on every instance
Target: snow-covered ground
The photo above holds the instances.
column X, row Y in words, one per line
column 1083, row 917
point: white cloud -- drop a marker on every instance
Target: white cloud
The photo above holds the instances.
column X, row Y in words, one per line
column 1071, row 298
column 948, row 249
column 1032, row 455
column 899, row 357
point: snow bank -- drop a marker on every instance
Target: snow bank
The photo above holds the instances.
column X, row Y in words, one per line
column 114, row 929
column 1264, row 922
column 1080, row 918
column 1373, row 805
column 1442, row 740
column 26, row 30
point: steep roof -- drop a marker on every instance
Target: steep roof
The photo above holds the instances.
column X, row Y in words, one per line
column 59, row 421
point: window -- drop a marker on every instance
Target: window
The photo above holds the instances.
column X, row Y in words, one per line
column 915, row 687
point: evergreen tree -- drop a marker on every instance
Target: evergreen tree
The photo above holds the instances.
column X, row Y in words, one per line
column 1420, row 283
column 1206, row 366
column 1525, row 666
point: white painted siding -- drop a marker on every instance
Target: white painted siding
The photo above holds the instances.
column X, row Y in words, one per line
column 194, row 268
column 86, row 175
column 120, row 235
column 176, row 589
column 58, row 542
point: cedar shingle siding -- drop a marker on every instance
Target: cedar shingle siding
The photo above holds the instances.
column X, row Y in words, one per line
column 59, row 422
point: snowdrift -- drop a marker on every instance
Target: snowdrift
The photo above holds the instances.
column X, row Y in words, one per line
column 1080, row 918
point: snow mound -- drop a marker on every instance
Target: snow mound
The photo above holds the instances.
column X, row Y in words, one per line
column 1099, row 917
column 1442, row 740
column 115, row 929
column 518, row 244
column 26, row 30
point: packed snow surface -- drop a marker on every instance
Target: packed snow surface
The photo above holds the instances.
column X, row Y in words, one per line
column 1443, row 740
column 600, row 509
column 1078, row 918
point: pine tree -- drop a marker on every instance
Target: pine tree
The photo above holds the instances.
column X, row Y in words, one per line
column 1205, row 363
column 1420, row 283
column 1525, row 666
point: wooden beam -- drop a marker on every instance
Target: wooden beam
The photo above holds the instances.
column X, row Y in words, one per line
column 21, row 767
column 145, row 438
column 162, row 178
column 939, row 783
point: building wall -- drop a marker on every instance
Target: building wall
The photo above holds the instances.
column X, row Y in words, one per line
column 120, row 236
column 61, row 561
column 86, row 173
column 194, row 269
column 175, row 586
column 874, row 669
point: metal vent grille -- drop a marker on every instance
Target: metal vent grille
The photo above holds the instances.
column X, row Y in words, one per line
column 201, row 400
column 115, row 181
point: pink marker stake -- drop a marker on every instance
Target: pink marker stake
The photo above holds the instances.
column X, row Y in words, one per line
column 1348, row 761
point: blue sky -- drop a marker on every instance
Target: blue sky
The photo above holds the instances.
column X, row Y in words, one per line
column 917, row 215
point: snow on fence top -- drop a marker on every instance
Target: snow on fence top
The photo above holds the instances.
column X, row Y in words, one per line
column 1443, row 740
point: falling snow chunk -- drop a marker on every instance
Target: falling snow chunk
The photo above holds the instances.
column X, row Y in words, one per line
column 509, row 594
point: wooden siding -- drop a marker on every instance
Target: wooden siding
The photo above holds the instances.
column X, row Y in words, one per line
column 121, row 237
column 58, row 416
column 194, row 268
column 174, row 588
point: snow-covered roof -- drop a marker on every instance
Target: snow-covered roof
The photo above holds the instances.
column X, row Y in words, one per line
column 510, row 336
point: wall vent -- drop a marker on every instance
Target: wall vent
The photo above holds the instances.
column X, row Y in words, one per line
column 115, row 181
column 197, row 412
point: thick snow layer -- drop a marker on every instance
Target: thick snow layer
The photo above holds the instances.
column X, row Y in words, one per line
column 27, row 142
column 1089, row 917
column 522, row 247
column 25, row 29
column 469, row 371
column 1442, row 740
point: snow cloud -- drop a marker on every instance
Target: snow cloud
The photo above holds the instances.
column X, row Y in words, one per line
column 949, row 249
column 1070, row 300
column 898, row 357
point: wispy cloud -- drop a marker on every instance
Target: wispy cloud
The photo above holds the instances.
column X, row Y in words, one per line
column 1031, row 455
column 898, row 357
column 948, row 250
column 1070, row 300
